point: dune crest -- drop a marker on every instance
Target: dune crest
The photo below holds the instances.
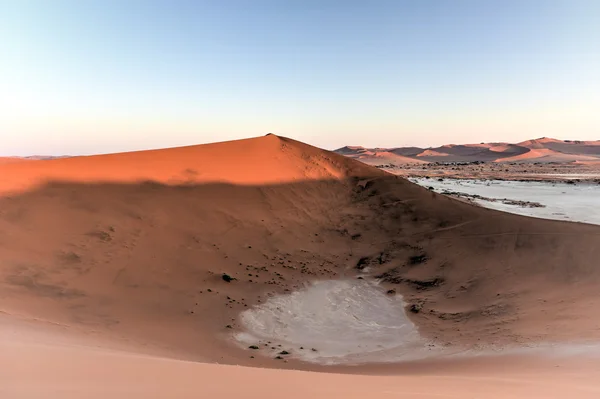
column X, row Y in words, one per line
column 264, row 160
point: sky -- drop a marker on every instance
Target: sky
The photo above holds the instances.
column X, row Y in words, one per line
column 83, row 77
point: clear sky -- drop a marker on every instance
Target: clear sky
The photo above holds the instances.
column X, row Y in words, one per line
column 82, row 76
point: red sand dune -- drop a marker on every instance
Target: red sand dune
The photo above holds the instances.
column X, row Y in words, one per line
column 547, row 155
column 500, row 148
column 538, row 150
column 538, row 143
column 266, row 161
column 375, row 158
column 111, row 276
column 432, row 153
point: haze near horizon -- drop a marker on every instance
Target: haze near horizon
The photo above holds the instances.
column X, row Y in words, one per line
column 99, row 77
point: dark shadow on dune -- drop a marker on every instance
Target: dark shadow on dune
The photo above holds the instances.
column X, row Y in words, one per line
column 156, row 253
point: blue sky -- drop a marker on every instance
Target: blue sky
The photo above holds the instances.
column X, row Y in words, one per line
column 83, row 77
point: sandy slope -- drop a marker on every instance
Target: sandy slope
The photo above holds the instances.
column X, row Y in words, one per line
column 126, row 251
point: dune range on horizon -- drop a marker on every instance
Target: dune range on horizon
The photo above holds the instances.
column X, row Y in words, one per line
column 542, row 150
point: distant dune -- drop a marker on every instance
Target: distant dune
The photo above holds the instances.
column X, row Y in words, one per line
column 379, row 157
column 547, row 155
column 432, row 153
column 543, row 150
column 32, row 158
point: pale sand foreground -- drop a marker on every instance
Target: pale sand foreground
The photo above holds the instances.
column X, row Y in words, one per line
column 46, row 360
column 38, row 368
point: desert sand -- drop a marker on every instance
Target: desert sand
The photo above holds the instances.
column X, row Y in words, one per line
column 111, row 277
column 36, row 369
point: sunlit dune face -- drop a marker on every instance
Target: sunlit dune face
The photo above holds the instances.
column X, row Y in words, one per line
column 263, row 160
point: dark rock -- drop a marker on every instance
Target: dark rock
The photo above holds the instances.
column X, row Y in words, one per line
column 253, row 347
column 362, row 263
column 227, row 278
column 414, row 260
column 415, row 308
column 391, row 276
column 424, row 284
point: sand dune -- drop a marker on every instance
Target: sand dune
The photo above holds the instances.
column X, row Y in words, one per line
column 538, row 143
column 266, row 160
column 406, row 151
column 432, row 153
column 500, row 147
column 351, row 149
column 537, row 150
column 547, row 155
column 127, row 252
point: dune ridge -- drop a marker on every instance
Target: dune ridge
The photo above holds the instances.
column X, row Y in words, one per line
column 265, row 160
